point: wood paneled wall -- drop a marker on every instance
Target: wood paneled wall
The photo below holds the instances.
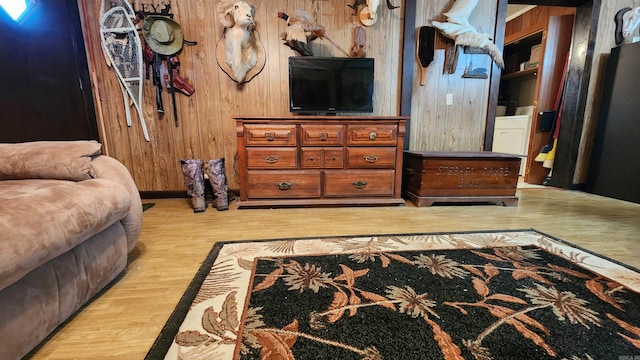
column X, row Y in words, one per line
column 205, row 129
column 604, row 42
column 461, row 126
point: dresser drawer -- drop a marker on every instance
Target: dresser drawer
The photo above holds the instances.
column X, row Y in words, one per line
column 371, row 157
column 317, row 158
column 372, row 134
column 269, row 135
column 322, row 135
column 271, row 158
column 283, row 184
column 353, row 183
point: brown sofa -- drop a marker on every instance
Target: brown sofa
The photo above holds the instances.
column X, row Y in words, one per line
column 68, row 219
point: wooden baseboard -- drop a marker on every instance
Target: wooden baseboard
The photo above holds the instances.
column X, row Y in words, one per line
column 163, row 194
column 173, row 194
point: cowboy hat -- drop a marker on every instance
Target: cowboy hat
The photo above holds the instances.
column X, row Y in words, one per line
column 162, row 34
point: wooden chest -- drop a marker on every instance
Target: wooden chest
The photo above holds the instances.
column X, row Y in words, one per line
column 320, row 160
column 430, row 177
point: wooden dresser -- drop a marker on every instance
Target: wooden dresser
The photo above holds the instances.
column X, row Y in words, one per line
column 320, row 160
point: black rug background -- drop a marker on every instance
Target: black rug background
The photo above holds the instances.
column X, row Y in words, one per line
column 399, row 336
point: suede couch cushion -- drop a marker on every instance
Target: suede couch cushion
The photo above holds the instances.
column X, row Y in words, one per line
column 62, row 160
column 108, row 168
column 44, row 298
column 42, row 219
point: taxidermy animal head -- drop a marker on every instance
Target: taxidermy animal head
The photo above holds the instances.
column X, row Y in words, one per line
column 372, row 5
column 241, row 52
column 236, row 13
column 367, row 10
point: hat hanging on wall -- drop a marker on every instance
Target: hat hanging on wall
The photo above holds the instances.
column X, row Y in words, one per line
column 162, row 34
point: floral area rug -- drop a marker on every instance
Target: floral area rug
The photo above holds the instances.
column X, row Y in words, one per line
column 488, row 295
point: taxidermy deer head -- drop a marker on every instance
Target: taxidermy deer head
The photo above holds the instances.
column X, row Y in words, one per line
column 241, row 52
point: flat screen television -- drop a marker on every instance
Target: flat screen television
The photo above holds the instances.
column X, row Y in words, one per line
column 330, row 85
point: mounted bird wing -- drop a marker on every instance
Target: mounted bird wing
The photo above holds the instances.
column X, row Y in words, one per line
column 458, row 28
column 482, row 41
column 460, row 11
column 452, row 30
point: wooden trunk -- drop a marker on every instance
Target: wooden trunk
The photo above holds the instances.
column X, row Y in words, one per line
column 430, row 177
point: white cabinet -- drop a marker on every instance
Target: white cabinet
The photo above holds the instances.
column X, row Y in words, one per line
column 511, row 136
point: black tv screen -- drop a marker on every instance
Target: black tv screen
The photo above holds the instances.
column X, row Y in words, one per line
column 330, row 84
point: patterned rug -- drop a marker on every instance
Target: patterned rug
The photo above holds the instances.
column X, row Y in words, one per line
column 147, row 206
column 514, row 294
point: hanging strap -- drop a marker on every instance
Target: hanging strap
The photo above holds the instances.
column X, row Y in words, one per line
column 560, row 98
column 558, row 104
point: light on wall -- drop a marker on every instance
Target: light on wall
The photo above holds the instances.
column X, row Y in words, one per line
column 16, row 8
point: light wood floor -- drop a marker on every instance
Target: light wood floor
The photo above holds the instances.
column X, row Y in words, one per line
column 122, row 323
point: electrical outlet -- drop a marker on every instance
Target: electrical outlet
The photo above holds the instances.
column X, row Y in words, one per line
column 449, row 100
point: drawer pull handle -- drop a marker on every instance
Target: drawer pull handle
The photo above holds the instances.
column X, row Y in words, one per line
column 270, row 136
column 271, row 159
column 373, row 135
column 323, row 136
column 371, row 158
column 284, row 185
column 359, row 184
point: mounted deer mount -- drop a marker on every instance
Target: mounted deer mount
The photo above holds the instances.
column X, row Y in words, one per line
column 239, row 52
column 367, row 10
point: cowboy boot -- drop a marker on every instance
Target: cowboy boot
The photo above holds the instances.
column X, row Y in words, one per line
column 194, row 181
column 218, row 179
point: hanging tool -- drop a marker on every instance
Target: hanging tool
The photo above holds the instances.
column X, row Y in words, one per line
column 173, row 64
column 157, row 82
column 426, row 49
column 556, row 121
column 121, row 44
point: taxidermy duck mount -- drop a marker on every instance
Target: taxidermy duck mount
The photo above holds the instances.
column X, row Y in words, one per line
column 301, row 30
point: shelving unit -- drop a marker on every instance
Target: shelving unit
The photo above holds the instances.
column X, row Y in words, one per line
column 520, row 74
column 550, row 28
column 519, row 51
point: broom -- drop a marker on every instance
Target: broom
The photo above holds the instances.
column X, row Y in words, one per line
column 542, row 156
column 547, row 148
column 548, row 161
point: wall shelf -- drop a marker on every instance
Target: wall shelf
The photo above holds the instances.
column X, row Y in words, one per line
column 518, row 74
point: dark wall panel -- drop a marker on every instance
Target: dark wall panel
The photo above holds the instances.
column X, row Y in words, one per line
column 615, row 164
column 45, row 92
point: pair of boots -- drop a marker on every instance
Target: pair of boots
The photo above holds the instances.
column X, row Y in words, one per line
column 193, row 171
